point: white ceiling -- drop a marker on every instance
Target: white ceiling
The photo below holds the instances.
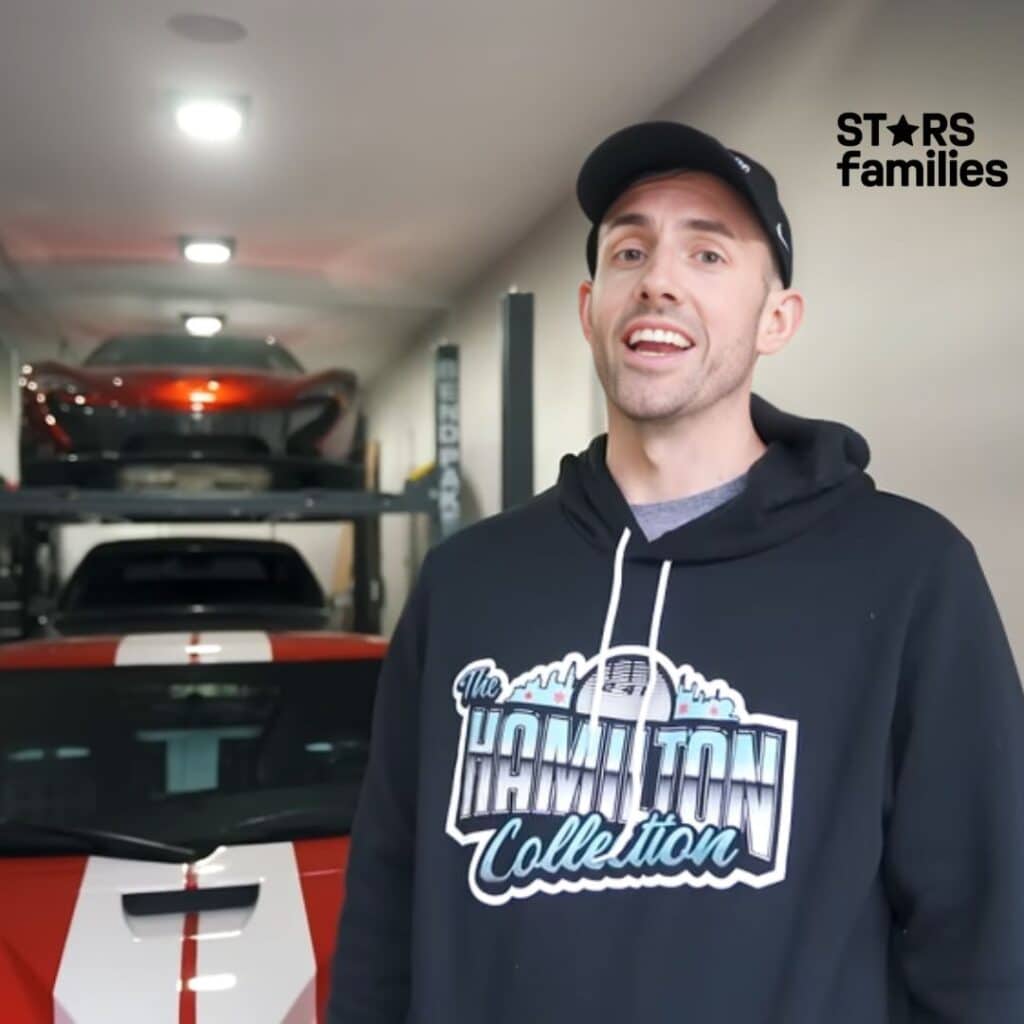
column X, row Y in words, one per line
column 394, row 150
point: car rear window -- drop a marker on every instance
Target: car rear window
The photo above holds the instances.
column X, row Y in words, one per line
column 191, row 754
column 122, row 576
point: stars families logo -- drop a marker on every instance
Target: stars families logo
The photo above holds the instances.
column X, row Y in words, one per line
column 941, row 165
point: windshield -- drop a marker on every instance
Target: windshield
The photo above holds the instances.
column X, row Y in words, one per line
column 194, row 755
column 185, row 350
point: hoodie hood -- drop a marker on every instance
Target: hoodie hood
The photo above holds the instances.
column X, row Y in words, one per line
column 810, row 467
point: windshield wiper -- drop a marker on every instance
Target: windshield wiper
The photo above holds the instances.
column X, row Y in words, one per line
column 18, row 832
column 291, row 823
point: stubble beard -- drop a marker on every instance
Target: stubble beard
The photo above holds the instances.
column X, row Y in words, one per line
column 647, row 399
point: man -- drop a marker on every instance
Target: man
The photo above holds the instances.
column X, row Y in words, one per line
column 712, row 730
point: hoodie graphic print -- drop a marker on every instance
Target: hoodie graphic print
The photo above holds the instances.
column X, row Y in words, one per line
column 578, row 775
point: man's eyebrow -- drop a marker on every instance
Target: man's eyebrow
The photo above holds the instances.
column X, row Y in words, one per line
column 633, row 219
column 694, row 223
column 714, row 226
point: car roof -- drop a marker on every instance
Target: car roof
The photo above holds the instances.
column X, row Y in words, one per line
column 144, row 337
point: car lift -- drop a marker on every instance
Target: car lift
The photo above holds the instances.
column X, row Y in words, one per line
column 29, row 514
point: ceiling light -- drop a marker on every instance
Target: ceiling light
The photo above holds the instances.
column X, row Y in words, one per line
column 210, row 120
column 207, row 250
column 207, row 28
column 203, row 326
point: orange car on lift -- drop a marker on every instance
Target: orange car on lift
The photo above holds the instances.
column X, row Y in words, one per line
column 174, row 812
column 145, row 408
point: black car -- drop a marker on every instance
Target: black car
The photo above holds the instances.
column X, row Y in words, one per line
column 189, row 584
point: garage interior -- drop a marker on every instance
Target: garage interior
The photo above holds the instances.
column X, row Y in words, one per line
column 397, row 204
column 374, row 217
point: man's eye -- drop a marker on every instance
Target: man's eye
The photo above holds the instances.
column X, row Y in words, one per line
column 638, row 252
column 711, row 252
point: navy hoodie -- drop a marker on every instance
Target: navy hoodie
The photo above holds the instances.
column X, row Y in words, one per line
column 766, row 768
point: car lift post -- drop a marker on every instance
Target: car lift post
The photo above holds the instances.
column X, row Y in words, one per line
column 517, row 399
column 440, row 491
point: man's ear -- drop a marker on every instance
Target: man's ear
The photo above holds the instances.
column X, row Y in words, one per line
column 782, row 315
column 584, row 296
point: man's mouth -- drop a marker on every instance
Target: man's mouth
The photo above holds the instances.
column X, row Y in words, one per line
column 656, row 341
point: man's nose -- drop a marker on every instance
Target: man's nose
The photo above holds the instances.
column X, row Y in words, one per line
column 659, row 282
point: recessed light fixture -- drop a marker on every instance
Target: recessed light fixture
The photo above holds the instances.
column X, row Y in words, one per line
column 207, row 28
column 207, row 250
column 203, row 325
column 210, row 120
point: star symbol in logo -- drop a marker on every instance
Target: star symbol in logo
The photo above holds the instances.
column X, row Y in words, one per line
column 902, row 131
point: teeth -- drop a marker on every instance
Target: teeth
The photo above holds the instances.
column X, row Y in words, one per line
column 653, row 334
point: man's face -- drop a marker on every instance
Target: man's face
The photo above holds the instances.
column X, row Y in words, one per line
column 680, row 253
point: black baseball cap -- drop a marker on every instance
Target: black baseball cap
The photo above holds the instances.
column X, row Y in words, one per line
column 654, row 147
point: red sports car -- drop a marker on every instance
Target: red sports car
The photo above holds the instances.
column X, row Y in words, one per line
column 173, row 820
column 146, row 403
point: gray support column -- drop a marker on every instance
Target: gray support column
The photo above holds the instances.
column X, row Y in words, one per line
column 517, row 399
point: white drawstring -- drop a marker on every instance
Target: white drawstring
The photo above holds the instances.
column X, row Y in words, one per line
column 636, row 755
column 606, row 636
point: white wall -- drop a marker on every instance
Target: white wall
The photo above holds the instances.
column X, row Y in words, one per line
column 912, row 333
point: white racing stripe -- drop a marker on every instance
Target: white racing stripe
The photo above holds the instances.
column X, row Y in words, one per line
column 185, row 648
column 106, row 972
column 264, row 973
column 241, row 646
column 256, row 965
column 153, row 649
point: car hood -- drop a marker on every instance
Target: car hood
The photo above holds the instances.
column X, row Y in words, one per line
column 72, row 949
